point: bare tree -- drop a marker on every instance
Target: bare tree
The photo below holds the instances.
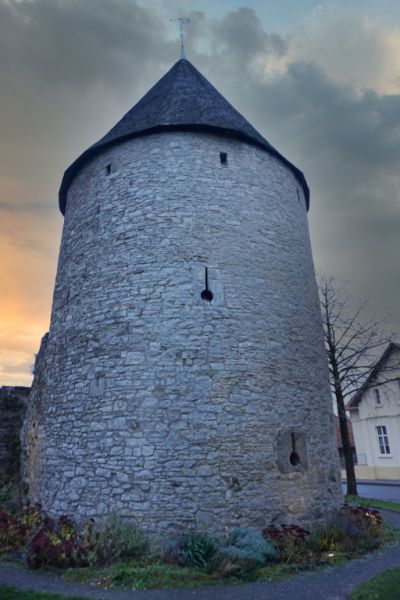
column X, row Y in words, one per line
column 352, row 341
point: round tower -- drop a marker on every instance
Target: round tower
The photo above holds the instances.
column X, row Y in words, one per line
column 183, row 381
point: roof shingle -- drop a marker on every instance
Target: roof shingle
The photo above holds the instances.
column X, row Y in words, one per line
column 182, row 100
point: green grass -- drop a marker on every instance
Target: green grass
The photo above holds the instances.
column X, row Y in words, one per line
column 384, row 504
column 151, row 574
column 385, row 586
column 11, row 593
column 143, row 575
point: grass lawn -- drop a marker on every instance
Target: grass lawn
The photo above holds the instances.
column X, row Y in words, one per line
column 142, row 575
column 385, row 586
column 384, row 504
column 153, row 574
column 10, row 593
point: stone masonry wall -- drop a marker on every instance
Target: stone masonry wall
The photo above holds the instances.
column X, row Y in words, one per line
column 154, row 402
column 13, row 401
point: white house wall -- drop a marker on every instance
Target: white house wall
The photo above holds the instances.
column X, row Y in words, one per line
column 371, row 463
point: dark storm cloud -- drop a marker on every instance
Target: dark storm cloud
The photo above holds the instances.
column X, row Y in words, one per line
column 230, row 45
column 68, row 70
column 345, row 140
column 77, row 43
column 349, row 148
column 240, row 36
column 348, row 145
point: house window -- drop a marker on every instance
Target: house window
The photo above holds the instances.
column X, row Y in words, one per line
column 383, row 439
column 223, row 157
column 378, row 399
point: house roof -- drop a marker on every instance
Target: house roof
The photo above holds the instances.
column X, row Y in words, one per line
column 182, row 100
column 356, row 399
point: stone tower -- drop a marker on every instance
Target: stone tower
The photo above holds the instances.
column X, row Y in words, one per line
column 183, row 381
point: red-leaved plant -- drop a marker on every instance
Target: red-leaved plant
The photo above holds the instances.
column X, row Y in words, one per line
column 289, row 540
column 57, row 543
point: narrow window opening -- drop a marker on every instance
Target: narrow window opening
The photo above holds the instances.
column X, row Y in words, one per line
column 223, row 157
column 206, row 294
column 298, row 196
column 108, row 169
column 378, row 399
column 294, row 457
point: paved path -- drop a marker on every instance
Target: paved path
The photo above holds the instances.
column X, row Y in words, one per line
column 333, row 583
column 382, row 490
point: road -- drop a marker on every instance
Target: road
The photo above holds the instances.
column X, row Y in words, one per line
column 381, row 491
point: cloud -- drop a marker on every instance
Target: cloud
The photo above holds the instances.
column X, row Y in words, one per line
column 16, row 369
column 239, row 34
column 348, row 145
column 351, row 47
column 343, row 135
column 78, row 44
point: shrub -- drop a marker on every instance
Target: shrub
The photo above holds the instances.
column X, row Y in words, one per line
column 194, row 549
column 201, row 550
column 115, row 539
column 16, row 529
column 289, row 540
column 368, row 519
column 174, row 551
column 352, row 530
column 245, row 551
column 56, row 543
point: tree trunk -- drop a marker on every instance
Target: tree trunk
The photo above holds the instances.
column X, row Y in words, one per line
column 347, row 450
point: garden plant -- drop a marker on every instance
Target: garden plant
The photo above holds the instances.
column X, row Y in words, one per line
column 115, row 553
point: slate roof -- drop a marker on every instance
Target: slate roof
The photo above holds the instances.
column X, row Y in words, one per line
column 356, row 399
column 182, row 100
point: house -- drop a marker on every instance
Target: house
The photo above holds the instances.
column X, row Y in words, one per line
column 375, row 416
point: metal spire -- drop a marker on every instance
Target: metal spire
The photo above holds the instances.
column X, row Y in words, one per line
column 182, row 21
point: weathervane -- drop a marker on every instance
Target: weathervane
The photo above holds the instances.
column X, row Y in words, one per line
column 182, row 21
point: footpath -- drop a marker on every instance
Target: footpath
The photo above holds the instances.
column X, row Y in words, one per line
column 332, row 583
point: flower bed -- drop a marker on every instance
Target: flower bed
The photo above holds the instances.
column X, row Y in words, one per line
column 115, row 553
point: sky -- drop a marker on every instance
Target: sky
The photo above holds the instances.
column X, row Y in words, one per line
column 319, row 80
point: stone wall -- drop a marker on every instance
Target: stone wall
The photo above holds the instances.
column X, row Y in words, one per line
column 149, row 399
column 13, row 402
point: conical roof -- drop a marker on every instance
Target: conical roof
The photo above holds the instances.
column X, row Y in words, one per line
column 182, row 100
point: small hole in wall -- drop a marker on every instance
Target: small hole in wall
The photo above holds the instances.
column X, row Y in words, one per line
column 223, row 157
column 207, row 295
column 108, row 169
column 294, row 459
column 291, row 449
